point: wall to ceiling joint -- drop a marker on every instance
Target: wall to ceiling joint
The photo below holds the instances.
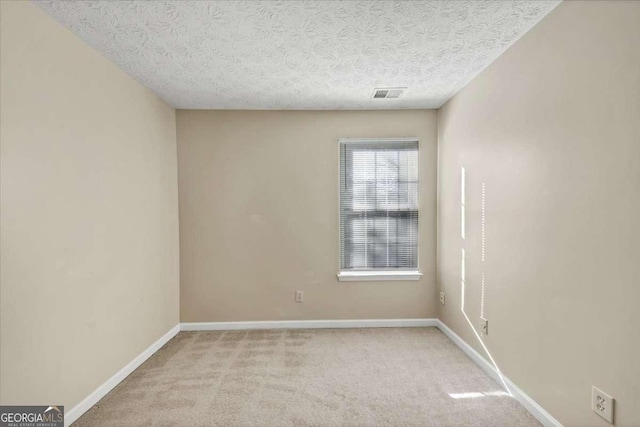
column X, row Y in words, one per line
column 549, row 138
column 89, row 273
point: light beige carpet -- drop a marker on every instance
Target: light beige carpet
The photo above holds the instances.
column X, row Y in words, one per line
column 324, row 377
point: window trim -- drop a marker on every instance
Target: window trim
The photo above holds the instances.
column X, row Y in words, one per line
column 379, row 274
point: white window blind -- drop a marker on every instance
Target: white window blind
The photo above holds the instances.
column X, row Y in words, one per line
column 378, row 205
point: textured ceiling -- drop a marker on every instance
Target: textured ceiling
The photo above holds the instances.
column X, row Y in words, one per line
column 300, row 54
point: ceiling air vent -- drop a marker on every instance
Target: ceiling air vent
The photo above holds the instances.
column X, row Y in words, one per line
column 388, row 92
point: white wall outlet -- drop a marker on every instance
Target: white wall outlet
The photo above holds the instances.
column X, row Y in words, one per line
column 442, row 298
column 602, row 404
column 299, row 296
column 484, row 326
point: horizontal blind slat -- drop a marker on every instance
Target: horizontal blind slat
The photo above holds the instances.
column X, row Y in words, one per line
column 378, row 205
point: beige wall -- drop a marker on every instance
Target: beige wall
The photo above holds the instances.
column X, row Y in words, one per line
column 259, row 216
column 89, row 265
column 89, row 248
column 553, row 130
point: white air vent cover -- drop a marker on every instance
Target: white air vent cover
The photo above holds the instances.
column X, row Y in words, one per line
column 388, row 92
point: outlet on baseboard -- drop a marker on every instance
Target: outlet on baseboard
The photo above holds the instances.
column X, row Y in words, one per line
column 442, row 298
column 299, row 296
column 602, row 404
column 484, row 326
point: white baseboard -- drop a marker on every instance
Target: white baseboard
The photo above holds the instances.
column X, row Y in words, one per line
column 530, row 405
column 82, row 407
column 309, row 324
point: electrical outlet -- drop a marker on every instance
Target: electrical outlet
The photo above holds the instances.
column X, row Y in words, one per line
column 299, row 296
column 484, row 326
column 442, row 298
column 602, row 404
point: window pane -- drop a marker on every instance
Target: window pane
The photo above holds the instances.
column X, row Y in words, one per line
column 379, row 205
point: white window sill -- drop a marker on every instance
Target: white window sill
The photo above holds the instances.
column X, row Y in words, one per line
column 366, row 276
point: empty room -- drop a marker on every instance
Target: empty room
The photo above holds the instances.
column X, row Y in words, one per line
column 290, row 213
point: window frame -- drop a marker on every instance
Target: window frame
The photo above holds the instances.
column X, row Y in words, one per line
column 380, row 274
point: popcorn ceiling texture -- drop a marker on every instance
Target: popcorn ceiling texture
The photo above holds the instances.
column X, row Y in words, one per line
column 300, row 54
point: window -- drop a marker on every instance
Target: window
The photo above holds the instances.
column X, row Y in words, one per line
column 379, row 209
